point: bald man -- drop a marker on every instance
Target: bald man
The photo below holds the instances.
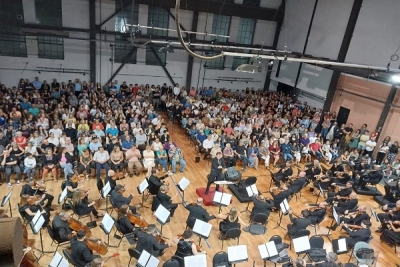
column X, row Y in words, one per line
column 345, row 206
column 298, row 184
column 354, row 217
column 197, row 211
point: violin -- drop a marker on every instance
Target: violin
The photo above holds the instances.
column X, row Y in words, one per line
column 33, row 199
column 78, row 178
column 354, row 227
column 94, row 245
column 160, row 239
column 77, row 226
column 315, row 209
column 39, row 186
column 198, row 248
column 137, row 221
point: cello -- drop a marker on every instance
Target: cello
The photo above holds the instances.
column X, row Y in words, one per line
column 137, row 221
column 94, row 245
column 198, row 248
column 76, row 225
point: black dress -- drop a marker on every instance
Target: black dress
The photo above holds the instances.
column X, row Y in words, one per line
column 390, row 236
column 184, row 248
column 226, row 224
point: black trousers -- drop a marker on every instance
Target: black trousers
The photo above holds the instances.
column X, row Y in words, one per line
column 212, row 177
column 49, row 199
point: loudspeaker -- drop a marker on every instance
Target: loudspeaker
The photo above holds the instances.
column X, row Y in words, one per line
column 11, row 242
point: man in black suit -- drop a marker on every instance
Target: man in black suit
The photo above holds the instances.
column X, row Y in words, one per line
column 28, row 190
column 343, row 192
column 80, row 251
column 166, row 200
column 354, row 218
column 298, row 184
column 119, row 199
column 355, row 236
column 61, row 229
column 154, row 182
column 348, row 204
column 313, row 170
column 147, row 241
column 196, row 211
column 217, row 165
column 315, row 213
column 283, row 174
column 297, row 224
column 372, row 177
column 283, row 194
column 261, row 205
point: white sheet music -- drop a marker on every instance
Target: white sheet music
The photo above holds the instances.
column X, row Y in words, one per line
column 301, row 244
column 153, row 262
column 183, row 183
column 335, row 216
column 162, row 213
column 58, row 261
column 6, row 198
column 284, row 206
column 202, row 228
column 342, row 246
column 105, row 190
column 147, row 260
column 222, row 198
column 196, row 260
column 62, row 195
column 36, row 217
column 38, row 225
column 237, row 253
column 252, row 190
column 268, row 250
column 107, row 222
column 143, row 186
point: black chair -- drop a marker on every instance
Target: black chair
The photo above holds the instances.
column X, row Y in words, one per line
column 21, row 213
column 133, row 253
column 53, row 238
column 180, row 260
column 155, row 203
column 120, row 234
column 260, row 218
column 277, row 239
column 231, row 234
column 221, row 260
column 317, row 241
column 76, row 213
column 315, row 226
column 113, row 205
column 299, row 233
column 69, row 258
column 171, row 263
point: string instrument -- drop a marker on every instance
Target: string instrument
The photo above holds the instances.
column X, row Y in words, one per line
column 198, row 248
column 160, row 239
column 33, row 199
column 161, row 173
column 39, row 186
column 354, row 227
column 137, row 221
column 273, row 189
column 118, row 175
column 344, row 198
column 78, row 178
column 93, row 244
column 315, row 209
column 24, row 199
column 389, row 224
column 77, row 226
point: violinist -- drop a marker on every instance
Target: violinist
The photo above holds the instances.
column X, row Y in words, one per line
column 347, row 204
column 315, row 212
column 61, row 228
column 283, row 193
column 392, row 213
column 119, row 200
column 72, row 185
column 32, row 188
column 81, row 202
column 355, row 217
column 154, row 182
column 360, row 233
column 323, row 181
column 283, row 174
column 186, row 245
column 343, row 192
column 392, row 235
column 80, row 251
column 344, row 176
column 297, row 185
column 166, row 200
column 32, row 206
column 147, row 241
column 111, row 178
column 298, row 223
column 371, row 176
column 197, row 211
column 261, row 205
column 337, row 166
column 313, row 171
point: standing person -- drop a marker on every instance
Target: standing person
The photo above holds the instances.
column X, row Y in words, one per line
column 382, row 151
column 217, row 166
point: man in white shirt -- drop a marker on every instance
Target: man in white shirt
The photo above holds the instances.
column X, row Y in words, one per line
column 369, row 147
column 57, row 131
column 101, row 158
column 208, row 144
column 176, row 89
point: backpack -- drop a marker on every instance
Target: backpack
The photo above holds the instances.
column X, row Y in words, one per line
column 365, row 253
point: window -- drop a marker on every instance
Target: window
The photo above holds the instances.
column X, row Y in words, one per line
column 122, row 49
column 48, row 12
column 158, row 17
column 124, row 17
column 221, row 25
column 151, row 58
column 237, row 61
column 11, row 11
column 51, row 47
column 251, row 3
column 246, row 31
column 215, row 64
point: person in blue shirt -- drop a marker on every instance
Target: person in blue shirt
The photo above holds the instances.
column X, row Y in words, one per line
column 34, row 110
column 37, row 84
column 25, row 105
column 286, row 149
column 210, row 92
column 78, row 87
column 201, row 137
column 112, row 130
column 127, row 143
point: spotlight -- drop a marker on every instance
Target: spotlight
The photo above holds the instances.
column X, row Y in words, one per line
column 271, row 62
column 248, row 68
column 395, row 79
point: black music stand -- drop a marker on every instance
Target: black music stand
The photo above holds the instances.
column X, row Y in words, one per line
column 140, row 188
column 147, row 260
column 221, row 199
column 339, row 246
column 252, row 191
column 283, row 211
column 105, row 191
column 106, row 225
column 6, row 199
column 182, row 185
column 162, row 215
column 203, row 230
column 373, row 213
column 58, row 261
column 321, row 193
column 36, row 226
column 237, row 254
column 335, row 219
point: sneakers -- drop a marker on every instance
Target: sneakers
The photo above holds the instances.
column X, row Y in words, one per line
column 18, row 182
column 9, row 184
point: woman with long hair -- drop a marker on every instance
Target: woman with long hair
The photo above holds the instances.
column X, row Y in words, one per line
column 81, row 203
column 275, row 150
column 231, row 220
column 117, row 159
column 49, row 164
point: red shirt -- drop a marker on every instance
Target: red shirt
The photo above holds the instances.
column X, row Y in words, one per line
column 315, row 146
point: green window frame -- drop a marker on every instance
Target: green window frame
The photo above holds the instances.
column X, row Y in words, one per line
column 124, row 16
column 221, row 25
column 48, row 12
column 151, row 58
column 51, row 47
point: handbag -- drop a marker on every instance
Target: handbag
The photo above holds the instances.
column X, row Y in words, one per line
column 365, row 253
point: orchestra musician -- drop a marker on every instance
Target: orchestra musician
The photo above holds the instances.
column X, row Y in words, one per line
column 186, row 245
column 217, row 166
column 337, row 166
column 343, row 192
column 371, row 176
column 166, row 200
column 147, row 241
column 80, row 251
column 360, row 233
column 392, row 213
column 343, row 176
column 32, row 188
column 124, row 225
column 392, row 235
column 110, row 178
column 61, row 228
column 283, row 174
column 354, row 218
column 284, row 193
column 297, row 185
column 197, row 211
column 230, row 220
column 315, row 212
column 347, row 204
column 154, row 182
column 297, row 223
column 71, row 185
column 81, row 202
column 32, row 206
column 313, row 171
column 323, row 181
column 261, row 205
column 119, row 200
column 392, row 189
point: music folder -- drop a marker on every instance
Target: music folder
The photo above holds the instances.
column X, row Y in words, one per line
column 321, row 190
column 374, row 214
column 58, row 261
column 107, row 223
column 237, row 254
column 335, row 216
column 183, row 184
column 196, row 260
column 252, row 190
column 301, row 244
column 162, row 214
column 268, row 250
column 223, row 199
column 6, row 198
column 143, row 186
column 62, row 196
column 201, row 228
column 339, row 246
column 284, row 206
column 37, row 225
column 147, row 260
column 105, row 190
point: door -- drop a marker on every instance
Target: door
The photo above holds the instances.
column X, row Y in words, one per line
column 343, row 115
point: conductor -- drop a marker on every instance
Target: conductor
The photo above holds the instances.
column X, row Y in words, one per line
column 217, row 166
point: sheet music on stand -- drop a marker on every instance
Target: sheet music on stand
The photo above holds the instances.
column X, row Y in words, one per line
column 252, row 190
column 268, row 250
column 321, row 190
column 105, row 190
column 374, row 214
column 237, row 254
column 335, row 216
column 201, row 228
column 162, row 214
column 284, row 206
column 223, row 199
column 107, row 223
column 36, row 217
column 36, row 226
column 147, row 260
column 301, row 244
column 196, row 260
column 58, row 261
column 183, row 183
column 62, row 195
column 143, row 186
column 342, row 245
column 6, row 198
